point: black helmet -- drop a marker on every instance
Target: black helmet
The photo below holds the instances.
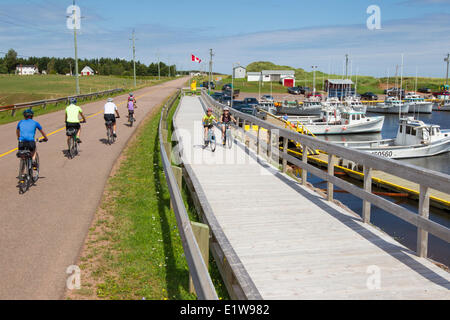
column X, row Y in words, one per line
column 28, row 113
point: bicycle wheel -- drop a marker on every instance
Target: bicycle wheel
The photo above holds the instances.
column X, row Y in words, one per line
column 212, row 142
column 109, row 135
column 131, row 120
column 23, row 176
column 229, row 138
column 71, row 147
column 35, row 169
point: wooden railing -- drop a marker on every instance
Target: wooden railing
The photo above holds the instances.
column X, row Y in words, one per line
column 197, row 266
column 43, row 103
column 425, row 178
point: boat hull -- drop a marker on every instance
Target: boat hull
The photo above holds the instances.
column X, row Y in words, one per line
column 402, row 152
column 374, row 125
column 298, row 111
column 381, row 108
column 440, row 107
column 426, row 107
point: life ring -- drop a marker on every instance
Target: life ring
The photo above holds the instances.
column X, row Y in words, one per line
column 346, row 121
column 344, row 128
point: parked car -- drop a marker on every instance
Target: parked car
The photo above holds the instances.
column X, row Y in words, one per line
column 267, row 98
column 238, row 103
column 369, row 96
column 205, row 84
column 225, row 100
column 251, row 101
column 295, row 90
column 304, row 90
column 252, row 110
column 217, row 95
column 424, row 90
column 227, row 86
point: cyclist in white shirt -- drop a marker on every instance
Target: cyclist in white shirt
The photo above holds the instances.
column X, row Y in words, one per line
column 110, row 109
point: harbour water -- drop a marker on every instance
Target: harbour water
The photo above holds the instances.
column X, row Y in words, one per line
column 404, row 232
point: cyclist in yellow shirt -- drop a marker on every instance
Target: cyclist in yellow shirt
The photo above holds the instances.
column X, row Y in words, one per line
column 208, row 122
column 72, row 120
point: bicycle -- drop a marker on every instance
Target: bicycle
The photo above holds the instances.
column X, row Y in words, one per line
column 28, row 171
column 72, row 142
column 131, row 118
column 211, row 141
column 228, row 138
column 110, row 132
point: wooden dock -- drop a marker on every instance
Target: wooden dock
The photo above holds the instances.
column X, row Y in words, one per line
column 288, row 241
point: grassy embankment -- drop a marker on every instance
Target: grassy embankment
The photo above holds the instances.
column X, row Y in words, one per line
column 133, row 250
column 16, row 89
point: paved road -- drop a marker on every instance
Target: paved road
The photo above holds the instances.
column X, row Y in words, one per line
column 42, row 231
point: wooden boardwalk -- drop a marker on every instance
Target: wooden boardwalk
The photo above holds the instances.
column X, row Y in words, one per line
column 292, row 243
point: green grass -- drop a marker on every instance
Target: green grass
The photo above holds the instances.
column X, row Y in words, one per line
column 17, row 89
column 134, row 249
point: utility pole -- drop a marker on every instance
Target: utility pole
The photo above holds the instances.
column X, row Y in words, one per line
column 168, row 62
column 211, row 54
column 448, row 62
column 134, row 57
column 159, row 70
column 77, row 79
column 314, row 79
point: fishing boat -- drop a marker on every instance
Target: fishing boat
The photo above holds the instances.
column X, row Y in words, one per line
column 417, row 104
column 310, row 107
column 355, row 103
column 390, row 105
column 443, row 105
column 334, row 121
column 414, row 139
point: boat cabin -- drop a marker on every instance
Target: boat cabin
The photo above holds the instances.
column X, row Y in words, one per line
column 413, row 132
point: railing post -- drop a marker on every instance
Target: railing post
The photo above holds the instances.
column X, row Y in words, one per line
column 424, row 210
column 257, row 140
column 305, row 161
column 269, row 145
column 201, row 233
column 368, row 188
column 331, row 173
column 285, row 147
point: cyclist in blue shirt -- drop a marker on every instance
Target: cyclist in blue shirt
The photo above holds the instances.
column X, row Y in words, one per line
column 26, row 131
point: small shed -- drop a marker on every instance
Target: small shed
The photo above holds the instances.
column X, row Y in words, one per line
column 87, row 71
column 339, row 87
column 253, row 76
column 239, row 72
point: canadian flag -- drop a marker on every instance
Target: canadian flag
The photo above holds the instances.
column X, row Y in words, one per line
column 196, row 59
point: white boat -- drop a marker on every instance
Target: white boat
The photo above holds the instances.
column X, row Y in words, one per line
column 390, row 105
column 417, row 104
column 442, row 105
column 414, row 139
column 334, row 121
column 355, row 104
column 311, row 106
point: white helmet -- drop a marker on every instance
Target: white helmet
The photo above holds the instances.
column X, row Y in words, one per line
column 110, row 99
column 226, row 109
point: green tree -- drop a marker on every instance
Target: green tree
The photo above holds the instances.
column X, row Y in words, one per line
column 11, row 60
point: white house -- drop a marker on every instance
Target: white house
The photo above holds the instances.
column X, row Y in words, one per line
column 285, row 77
column 26, row 70
column 87, row 71
column 239, row 72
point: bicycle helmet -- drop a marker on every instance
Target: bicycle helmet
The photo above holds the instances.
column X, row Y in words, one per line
column 110, row 99
column 73, row 100
column 28, row 113
column 209, row 110
column 131, row 94
column 226, row 109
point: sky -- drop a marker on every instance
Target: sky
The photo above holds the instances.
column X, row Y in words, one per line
column 297, row 33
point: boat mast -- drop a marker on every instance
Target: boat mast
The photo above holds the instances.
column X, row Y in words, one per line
column 400, row 91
